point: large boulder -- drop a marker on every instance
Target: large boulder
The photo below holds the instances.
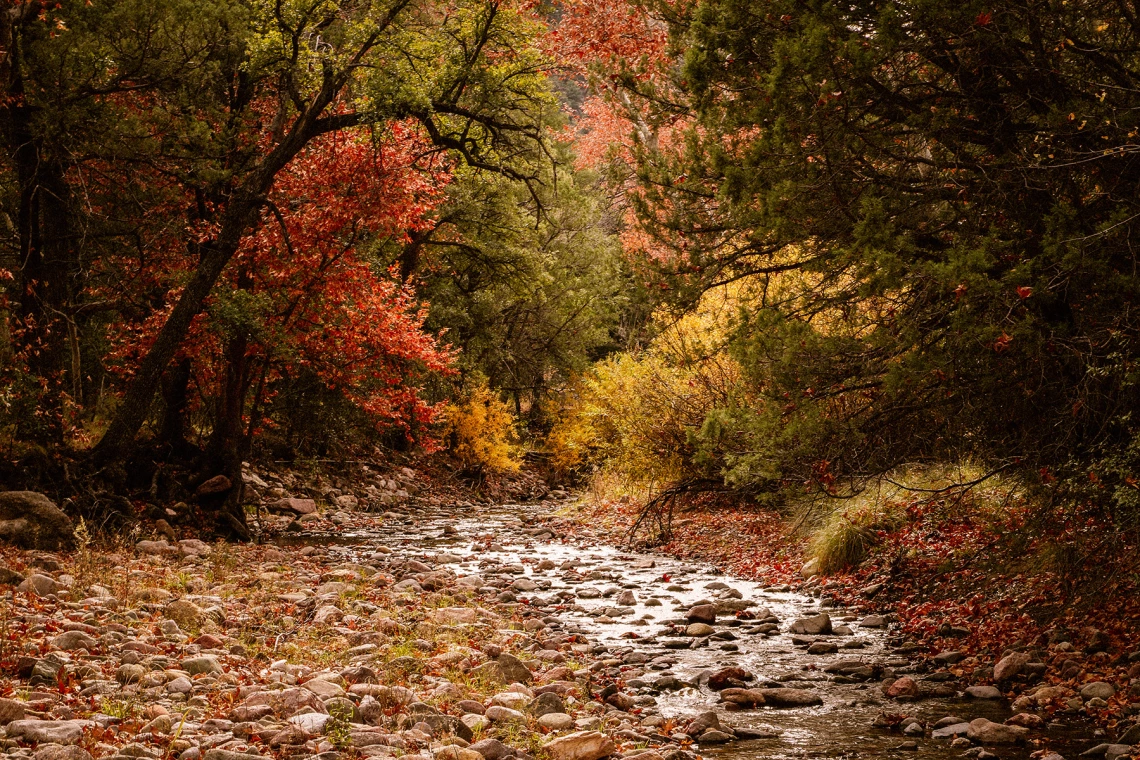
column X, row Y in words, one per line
column 33, row 521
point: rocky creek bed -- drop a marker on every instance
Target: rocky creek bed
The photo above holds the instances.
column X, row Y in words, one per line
column 465, row 633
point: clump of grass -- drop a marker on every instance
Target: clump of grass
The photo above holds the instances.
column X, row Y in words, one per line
column 338, row 730
column 123, row 709
column 846, row 537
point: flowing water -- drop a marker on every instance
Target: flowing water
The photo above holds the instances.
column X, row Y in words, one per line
column 497, row 544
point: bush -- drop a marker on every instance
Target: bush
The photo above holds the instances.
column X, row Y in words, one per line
column 848, row 534
column 635, row 416
column 480, row 431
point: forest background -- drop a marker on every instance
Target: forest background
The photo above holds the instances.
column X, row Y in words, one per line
column 781, row 254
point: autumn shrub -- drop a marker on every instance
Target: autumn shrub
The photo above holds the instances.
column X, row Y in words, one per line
column 479, row 430
column 847, row 535
column 631, row 421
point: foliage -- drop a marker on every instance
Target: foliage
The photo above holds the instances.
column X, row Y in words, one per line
column 479, row 430
column 636, row 414
column 529, row 284
column 937, row 201
column 202, row 197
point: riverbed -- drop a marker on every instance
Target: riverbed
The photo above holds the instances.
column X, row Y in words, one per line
column 631, row 609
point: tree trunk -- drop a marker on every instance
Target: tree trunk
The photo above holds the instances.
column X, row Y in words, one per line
column 116, row 442
column 47, row 263
column 224, row 453
column 175, row 394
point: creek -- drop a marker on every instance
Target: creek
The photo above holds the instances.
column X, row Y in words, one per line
column 578, row 587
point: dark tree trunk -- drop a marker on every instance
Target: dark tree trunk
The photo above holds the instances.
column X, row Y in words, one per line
column 224, row 453
column 46, row 259
column 175, row 395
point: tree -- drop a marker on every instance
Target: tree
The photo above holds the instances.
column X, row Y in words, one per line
column 461, row 71
column 937, row 201
column 530, row 290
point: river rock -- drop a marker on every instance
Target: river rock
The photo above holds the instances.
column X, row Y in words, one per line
column 728, row 677
column 60, row 752
column 294, row 506
column 71, row 640
column 742, row 697
column 491, row 749
column 452, row 752
column 1010, row 666
column 1131, row 736
column 40, row 585
column 215, row 486
column 500, row 714
column 983, row 692
column 544, row 704
column 186, row 614
column 699, row 629
column 985, row 731
column 1097, row 690
column 193, row 547
column 327, row 614
column 229, row 754
column 47, row 731
column 454, row 616
column 10, row 710
column 513, row 669
column 903, row 688
column 703, row 722
column 1108, row 751
column 9, row 577
column 33, row 521
column 325, row 690
column 180, row 685
column 556, row 721
column 816, row 625
column 951, row 731
column 702, row 613
column 205, row 664
column 713, row 736
column 443, row 725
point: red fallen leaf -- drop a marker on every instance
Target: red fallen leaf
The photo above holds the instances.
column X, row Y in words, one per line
column 1002, row 342
column 984, row 19
column 1024, row 291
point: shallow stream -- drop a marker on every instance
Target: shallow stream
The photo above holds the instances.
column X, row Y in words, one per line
column 504, row 541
